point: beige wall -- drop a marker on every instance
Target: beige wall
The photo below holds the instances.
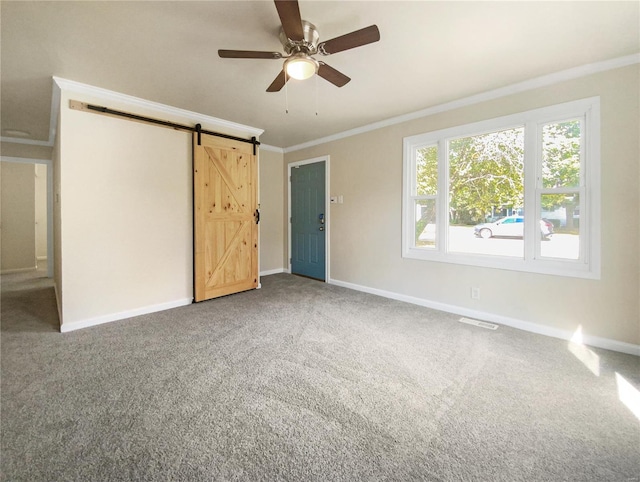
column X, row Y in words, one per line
column 41, row 210
column 271, row 202
column 18, row 216
column 12, row 149
column 123, row 211
column 366, row 230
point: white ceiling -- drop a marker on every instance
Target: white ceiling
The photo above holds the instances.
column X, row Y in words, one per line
column 430, row 53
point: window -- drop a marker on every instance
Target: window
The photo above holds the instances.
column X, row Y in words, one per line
column 519, row 192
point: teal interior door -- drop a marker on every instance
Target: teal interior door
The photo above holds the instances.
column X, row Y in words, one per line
column 308, row 220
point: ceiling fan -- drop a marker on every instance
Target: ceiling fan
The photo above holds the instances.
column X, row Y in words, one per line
column 300, row 41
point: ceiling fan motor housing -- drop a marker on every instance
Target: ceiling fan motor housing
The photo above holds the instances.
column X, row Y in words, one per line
column 309, row 45
column 300, row 41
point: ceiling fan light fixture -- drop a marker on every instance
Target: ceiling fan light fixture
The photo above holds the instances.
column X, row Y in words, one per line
column 300, row 66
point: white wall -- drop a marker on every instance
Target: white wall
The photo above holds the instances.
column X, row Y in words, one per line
column 366, row 249
column 125, row 197
column 17, row 218
column 57, row 219
column 123, row 212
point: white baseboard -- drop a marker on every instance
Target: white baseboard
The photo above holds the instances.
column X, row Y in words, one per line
column 596, row 341
column 66, row 327
column 271, row 271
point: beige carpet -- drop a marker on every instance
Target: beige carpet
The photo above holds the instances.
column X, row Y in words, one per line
column 303, row 381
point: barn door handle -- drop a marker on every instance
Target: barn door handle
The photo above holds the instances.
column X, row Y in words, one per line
column 257, row 215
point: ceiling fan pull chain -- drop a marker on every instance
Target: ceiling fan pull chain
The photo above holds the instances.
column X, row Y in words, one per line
column 316, row 76
column 286, row 94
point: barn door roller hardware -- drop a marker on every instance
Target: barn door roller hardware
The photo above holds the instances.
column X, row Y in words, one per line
column 77, row 105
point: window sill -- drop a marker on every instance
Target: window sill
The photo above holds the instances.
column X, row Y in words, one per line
column 568, row 268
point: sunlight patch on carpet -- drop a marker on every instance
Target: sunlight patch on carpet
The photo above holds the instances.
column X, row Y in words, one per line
column 588, row 358
column 629, row 395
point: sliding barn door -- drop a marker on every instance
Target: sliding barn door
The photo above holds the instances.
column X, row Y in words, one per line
column 225, row 217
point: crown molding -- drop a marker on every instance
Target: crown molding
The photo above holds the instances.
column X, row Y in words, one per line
column 267, row 147
column 53, row 123
column 25, row 160
column 60, row 84
column 543, row 81
column 31, row 142
column 184, row 115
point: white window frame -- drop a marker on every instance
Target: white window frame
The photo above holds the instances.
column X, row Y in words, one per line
column 588, row 265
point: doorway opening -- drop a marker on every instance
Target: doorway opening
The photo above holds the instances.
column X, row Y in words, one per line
column 32, row 235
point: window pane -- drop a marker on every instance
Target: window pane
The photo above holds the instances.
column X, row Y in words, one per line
column 486, row 183
column 486, row 175
column 460, row 183
column 561, row 154
column 563, row 211
column 427, row 171
column 425, row 233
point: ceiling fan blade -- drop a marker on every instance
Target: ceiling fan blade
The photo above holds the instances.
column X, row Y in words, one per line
column 278, row 82
column 248, row 54
column 351, row 40
column 289, row 12
column 332, row 75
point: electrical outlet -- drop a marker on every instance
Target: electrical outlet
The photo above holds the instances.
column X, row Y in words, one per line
column 475, row 293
